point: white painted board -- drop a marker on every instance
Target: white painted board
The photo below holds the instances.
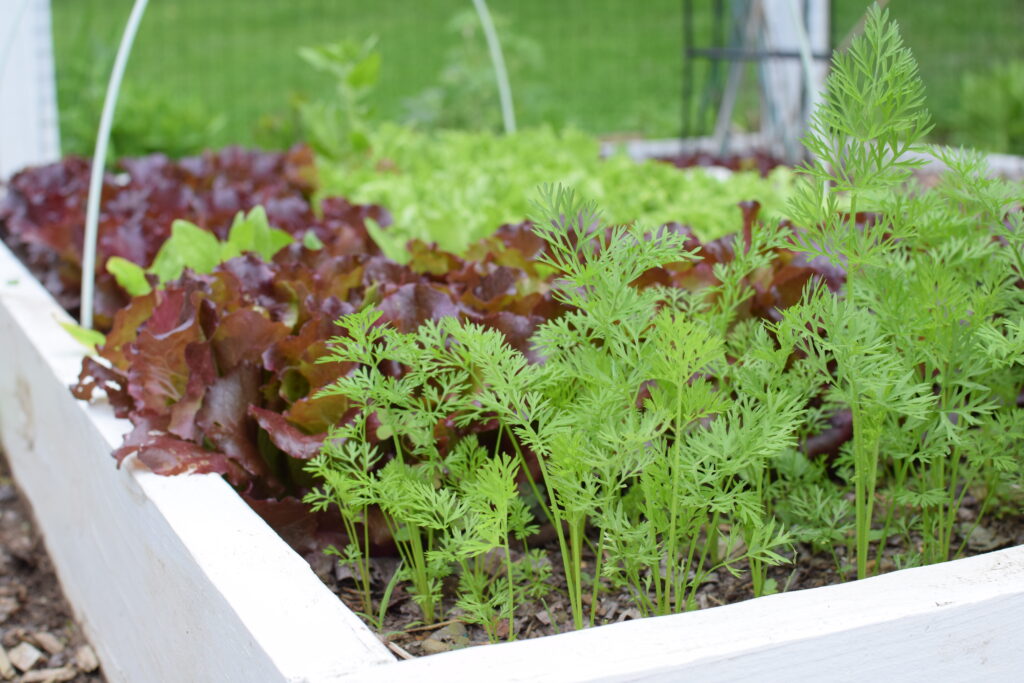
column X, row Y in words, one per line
column 174, row 578
column 959, row 621
column 28, row 101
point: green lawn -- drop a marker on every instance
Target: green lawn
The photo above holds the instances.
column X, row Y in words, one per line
column 609, row 65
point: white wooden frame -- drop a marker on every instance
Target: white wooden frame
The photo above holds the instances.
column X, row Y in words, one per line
column 172, row 578
column 175, row 579
column 28, row 92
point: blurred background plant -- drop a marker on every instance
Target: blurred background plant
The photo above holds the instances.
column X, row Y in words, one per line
column 992, row 108
column 465, row 95
column 606, row 67
column 149, row 119
column 336, row 125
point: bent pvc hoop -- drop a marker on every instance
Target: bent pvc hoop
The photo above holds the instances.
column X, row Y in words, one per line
column 99, row 158
column 508, row 114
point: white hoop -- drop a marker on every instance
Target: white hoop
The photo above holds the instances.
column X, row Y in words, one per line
column 99, row 158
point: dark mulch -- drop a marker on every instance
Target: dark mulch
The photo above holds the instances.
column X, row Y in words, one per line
column 34, row 616
column 404, row 633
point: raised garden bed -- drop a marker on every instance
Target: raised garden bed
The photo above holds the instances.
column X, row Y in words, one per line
column 906, row 317
column 175, row 578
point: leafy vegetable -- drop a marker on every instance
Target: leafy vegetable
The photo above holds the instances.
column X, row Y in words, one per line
column 189, row 246
column 131, row 277
column 218, row 372
column 90, row 339
column 453, row 187
column 42, row 214
column 252, row 332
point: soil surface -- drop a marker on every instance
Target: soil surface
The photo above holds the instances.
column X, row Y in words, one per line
column 39, row 640
column 406, row 636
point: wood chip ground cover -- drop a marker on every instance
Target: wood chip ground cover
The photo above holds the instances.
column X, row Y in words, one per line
column 39, row 639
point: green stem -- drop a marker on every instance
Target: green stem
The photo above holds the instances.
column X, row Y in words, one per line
column 412, row 556
column 681, row 582
column 364, row 568
column 670, row 549
column 701, row 570
column 901, row 474
column 757, row 576
column 660, row 584
column 556, row 521
column 865, row 466
column 524, row 467
column 363, row 564
column 576, row 553
column 887, row 522
column 422, row 580
column 981, row 513
column 597, row 576
column 953, row 504
column 862, row 459
column 510, row 608
column 711, row 540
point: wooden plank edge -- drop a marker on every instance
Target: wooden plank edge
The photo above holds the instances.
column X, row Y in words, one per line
column 173, row 578
column 954, row 621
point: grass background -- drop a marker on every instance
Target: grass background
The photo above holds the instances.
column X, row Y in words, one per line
column 610, row 66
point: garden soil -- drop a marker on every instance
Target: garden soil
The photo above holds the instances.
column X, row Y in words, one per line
column 39, row 640
column 407, row 637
